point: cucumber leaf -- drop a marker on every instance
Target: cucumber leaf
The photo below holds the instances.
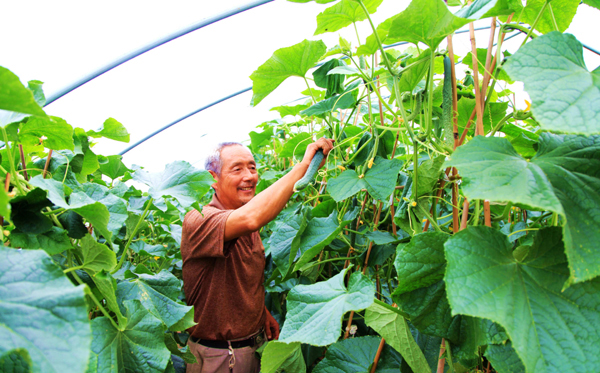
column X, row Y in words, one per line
column 315, row 311
column 285, row 62
column 489, row 8
column 551, row 330
column 179, row 180
column 561, row 11
column 158, row 294
column 562, row 177
column 42, row 312
column 111, row 129
column 565, row 95
column 425, row 21
column 53, row 132
column 279, row 356
column 344, row 13
column 392, row 326
column 138, row 347
column 14, row 96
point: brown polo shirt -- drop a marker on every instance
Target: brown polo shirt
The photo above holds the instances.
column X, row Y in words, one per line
column 222, row 280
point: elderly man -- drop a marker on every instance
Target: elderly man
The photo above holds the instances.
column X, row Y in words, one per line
column 224, row 260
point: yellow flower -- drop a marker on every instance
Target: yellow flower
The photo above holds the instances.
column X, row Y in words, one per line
column 414, row 203
column 528, row 105
column 342, row 168
column 361, row 176
column 157, row 257
column 371, row 162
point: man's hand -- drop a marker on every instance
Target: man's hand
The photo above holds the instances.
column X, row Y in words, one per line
column 271, row 326
column 325, row 144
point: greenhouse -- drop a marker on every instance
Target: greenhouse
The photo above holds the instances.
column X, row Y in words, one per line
column 407, row 186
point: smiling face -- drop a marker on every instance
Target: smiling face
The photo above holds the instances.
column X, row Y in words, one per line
column 236, row 184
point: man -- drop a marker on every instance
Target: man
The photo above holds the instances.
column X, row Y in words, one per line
column 224, row 260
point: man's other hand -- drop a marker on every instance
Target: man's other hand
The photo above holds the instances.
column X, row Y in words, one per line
column 325, row 144
column 271, row 327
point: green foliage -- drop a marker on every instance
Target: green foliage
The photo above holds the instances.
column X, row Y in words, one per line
column 285, row 62
column 38, row 300
column 562, row 90
column 522, row 292
column 315, row 311
column 482, row 268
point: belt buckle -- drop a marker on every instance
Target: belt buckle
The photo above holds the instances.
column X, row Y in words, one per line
column 259, row 339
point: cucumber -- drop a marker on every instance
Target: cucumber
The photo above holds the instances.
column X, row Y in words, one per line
column 447, row 104
column 311, row 172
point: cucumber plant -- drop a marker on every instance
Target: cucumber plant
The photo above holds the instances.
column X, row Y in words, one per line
column 447, row 231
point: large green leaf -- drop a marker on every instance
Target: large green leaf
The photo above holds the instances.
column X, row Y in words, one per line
column 564, row 94
column 559, row 11
column 139, row 347
column 296, row 146
column 412, row 77
column 107, row 285
column 42, row 312
column 53, row 241
column 116, row 206
column 425, row 21
column 96, row 256
column 563, row 177
column 285, row 241
column 344, row 101
column 392, row 326
column 315, row 311
column 285, row 62
column 25, row 212
column 289, row 110
column 551, row 330
column 344, row 13
column 158, row 293
column 114, row 167
column 428, row 176
column 53, row 132
column 79, row 202
column 258, row 139
column 420, row 262
column 379, row 180
column 14, row 96
column 594, row 3
column 356, row 355
column 111, row 129
column 320, row 232
column 504, row 359
column 489, row 8
column 278, row 356
column 179, row 180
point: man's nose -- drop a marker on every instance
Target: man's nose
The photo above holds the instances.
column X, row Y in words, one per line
column 248, row 175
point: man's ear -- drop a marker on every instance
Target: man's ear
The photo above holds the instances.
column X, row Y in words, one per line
column 215, row 176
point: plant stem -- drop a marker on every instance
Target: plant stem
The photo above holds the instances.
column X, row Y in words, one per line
column 310, row 91
column 441, row 360
column 125, row 250
column 12, row 163
column 106, row 314
column 23, row 164
column 356, row 31
column 478, row 100
column 387, row 63
column 429, row 118
column 537, row 19
column 378, row 355
column 429, row 218
column 72, row 269
column 553, row 18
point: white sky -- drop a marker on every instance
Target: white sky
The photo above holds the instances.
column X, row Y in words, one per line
column 59, row 42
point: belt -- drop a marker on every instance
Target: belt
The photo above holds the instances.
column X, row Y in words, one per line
column 250, row 342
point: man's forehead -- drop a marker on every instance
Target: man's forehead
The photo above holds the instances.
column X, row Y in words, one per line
column 236, row 153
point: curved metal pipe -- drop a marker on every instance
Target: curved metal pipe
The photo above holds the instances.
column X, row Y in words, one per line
column 156, row 43
column 184, row 117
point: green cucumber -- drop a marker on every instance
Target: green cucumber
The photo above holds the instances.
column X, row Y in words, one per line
column 447, row 104
column 311, row 172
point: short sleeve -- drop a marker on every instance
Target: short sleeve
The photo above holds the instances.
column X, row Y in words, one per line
column 203, row 234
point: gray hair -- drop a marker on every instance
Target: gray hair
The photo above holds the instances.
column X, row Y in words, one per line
column 213, row 161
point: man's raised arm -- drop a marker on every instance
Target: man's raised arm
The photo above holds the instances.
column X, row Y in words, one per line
column 265, row 206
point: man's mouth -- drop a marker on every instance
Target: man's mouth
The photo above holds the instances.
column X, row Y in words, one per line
column 247, row 189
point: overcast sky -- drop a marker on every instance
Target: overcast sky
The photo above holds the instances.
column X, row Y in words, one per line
column 58, row 42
